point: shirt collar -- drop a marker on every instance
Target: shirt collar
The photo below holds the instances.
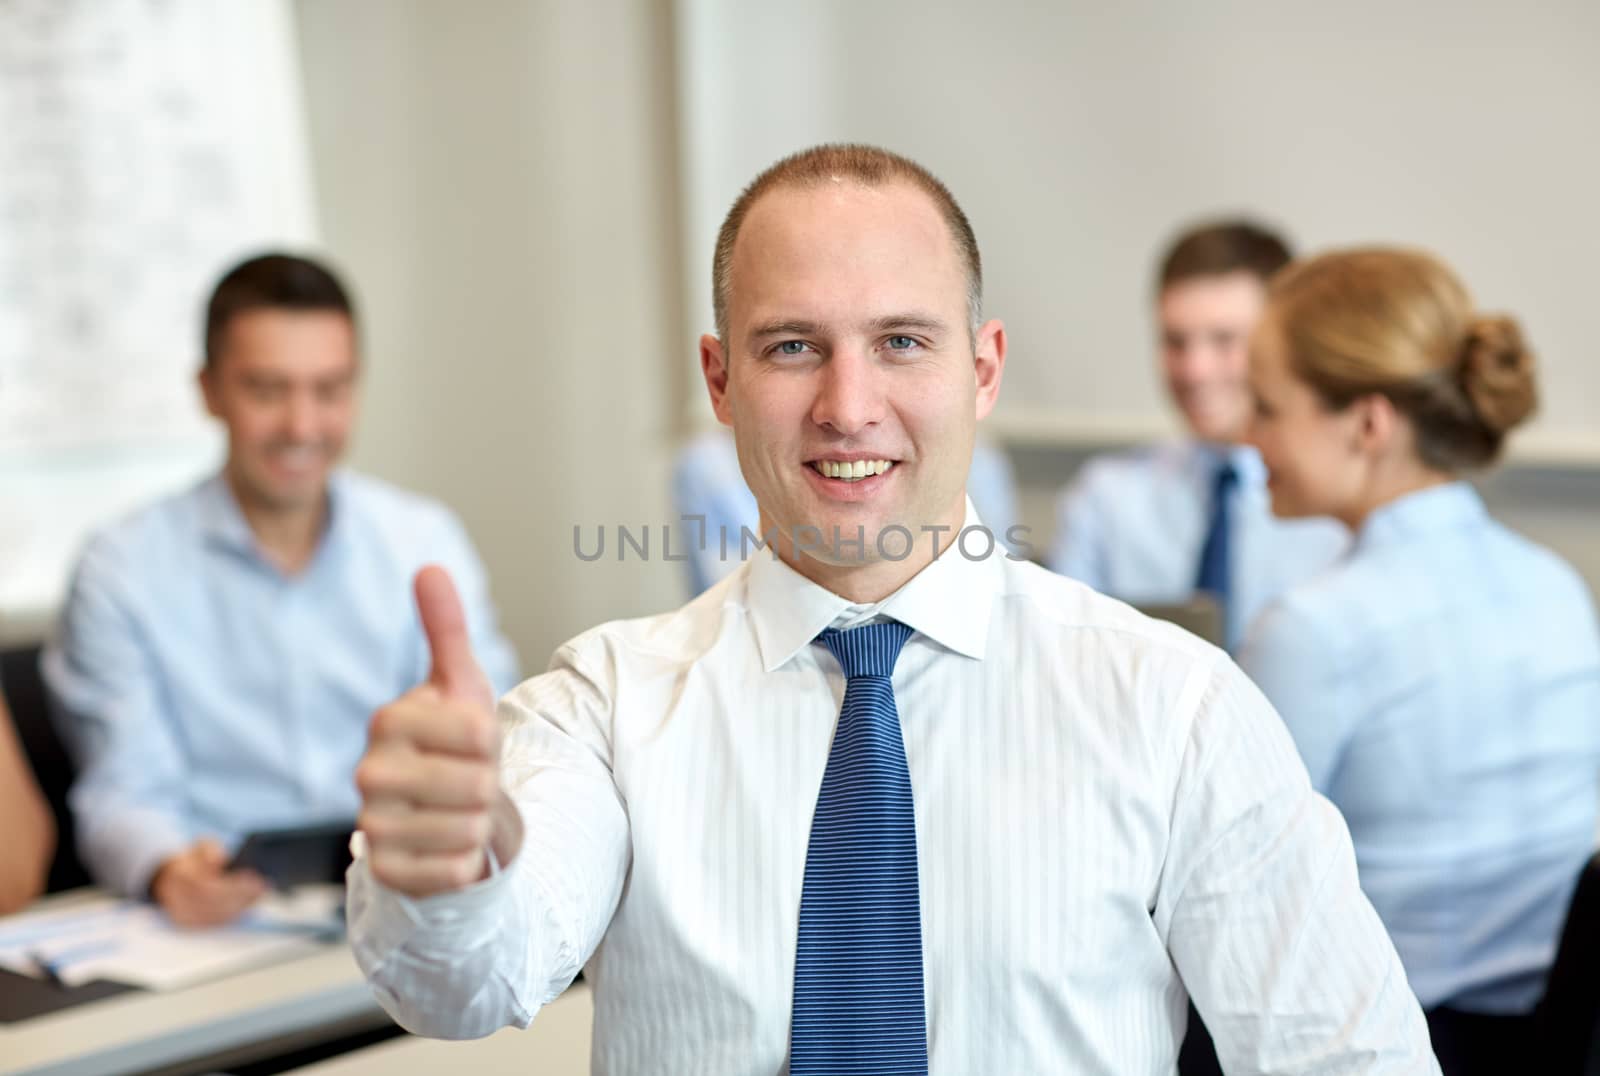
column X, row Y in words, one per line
column 222, row 522
column 948, row 601
column 1247, row 461
column 1428, row 511
column 1207, row 456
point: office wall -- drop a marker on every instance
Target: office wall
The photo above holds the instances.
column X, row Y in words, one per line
column 143, row 149
column 526, row 195
column 1078, row 135
column 499, row 181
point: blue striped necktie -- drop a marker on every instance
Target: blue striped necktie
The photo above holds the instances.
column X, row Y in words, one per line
column 1215, row 575
column 858, row 1004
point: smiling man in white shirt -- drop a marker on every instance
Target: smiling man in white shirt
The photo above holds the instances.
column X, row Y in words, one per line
column 870, row 805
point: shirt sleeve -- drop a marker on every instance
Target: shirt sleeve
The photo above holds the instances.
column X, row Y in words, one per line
column 127, row 801
column 1077, row 548
column 493, row 650
column 464, row 964
column 1295, row 664
column 1262, row 912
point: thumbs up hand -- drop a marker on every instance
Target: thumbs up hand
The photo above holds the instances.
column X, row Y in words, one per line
column 455, row 672
column 431, row 801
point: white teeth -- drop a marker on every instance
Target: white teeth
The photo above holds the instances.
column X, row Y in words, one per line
column 852, row 471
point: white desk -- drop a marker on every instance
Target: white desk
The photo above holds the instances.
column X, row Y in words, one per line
column 319, row 995
column 555, row 1044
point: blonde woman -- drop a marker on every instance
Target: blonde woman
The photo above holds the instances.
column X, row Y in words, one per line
column 1442, row 681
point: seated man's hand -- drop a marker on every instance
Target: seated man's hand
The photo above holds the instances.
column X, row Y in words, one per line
column 196, row 889
column 431, row 801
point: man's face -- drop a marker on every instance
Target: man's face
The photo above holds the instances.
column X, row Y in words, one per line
column 283, row 383
column 1206, row 324
column 849, row 347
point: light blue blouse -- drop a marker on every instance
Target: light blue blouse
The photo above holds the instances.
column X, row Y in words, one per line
column 1443, row 685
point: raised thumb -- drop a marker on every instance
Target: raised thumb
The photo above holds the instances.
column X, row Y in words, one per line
column 454, row 670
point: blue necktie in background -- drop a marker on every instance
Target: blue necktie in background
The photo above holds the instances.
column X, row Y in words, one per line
column 858, row 994
column 1216, row 556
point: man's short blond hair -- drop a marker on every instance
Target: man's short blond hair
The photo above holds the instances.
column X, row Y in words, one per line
column 869, row 166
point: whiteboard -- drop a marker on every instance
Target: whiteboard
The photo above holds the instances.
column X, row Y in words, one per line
column 145, row 145
column 1079, row 136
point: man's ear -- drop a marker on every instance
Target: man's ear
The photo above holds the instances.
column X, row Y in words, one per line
column 714, row 367
column 207, row 380
column 989, row 363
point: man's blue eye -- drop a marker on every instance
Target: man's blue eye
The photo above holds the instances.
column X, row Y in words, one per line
column 791, row 347
column 901, row 343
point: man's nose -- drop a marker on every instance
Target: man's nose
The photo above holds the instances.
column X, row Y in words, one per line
column 301, row 419
column 1186, row 360
column 850, row 393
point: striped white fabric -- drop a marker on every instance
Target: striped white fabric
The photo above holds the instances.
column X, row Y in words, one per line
column 1107, row 814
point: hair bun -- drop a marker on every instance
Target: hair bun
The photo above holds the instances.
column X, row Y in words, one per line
column 1497, row 372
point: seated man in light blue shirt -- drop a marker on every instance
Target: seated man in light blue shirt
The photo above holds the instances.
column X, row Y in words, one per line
column 706, row 481
column 1165, row 522
column 221, row 651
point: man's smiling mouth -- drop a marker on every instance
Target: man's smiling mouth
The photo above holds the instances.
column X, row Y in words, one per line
column 851, row 470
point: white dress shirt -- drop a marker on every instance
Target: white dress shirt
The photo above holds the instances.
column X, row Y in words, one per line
column 1133, row 524
column 1108, row 814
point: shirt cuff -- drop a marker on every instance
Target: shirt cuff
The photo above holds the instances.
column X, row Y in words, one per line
column 452, row 921
column 129, row 866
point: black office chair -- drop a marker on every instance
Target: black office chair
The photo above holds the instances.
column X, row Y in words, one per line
column 1198, row 1055
column 1570, row 1011
column 52, row 767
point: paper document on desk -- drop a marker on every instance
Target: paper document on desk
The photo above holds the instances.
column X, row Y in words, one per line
column 135, row 943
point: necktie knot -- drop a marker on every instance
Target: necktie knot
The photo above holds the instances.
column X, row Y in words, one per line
column 1225, row 481
column 870, row 650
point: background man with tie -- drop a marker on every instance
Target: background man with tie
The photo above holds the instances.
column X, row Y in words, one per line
column 857, row 811
column 1164, row 522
